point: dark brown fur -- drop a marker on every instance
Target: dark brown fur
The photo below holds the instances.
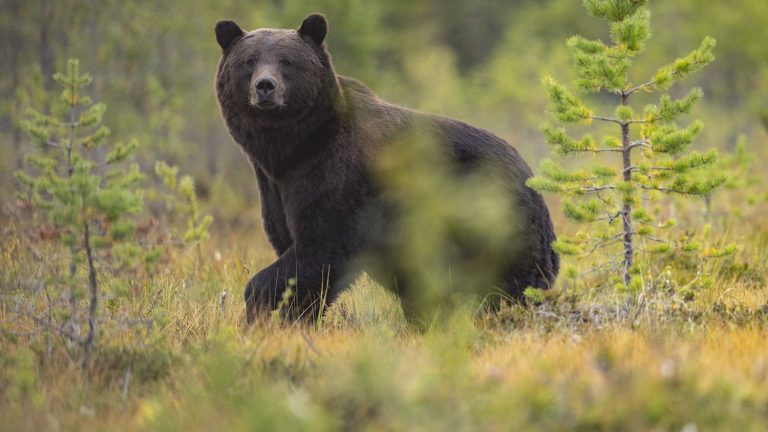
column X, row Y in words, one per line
column 311, row 145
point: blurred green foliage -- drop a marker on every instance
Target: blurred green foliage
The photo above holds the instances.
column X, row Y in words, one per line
column 456, row 230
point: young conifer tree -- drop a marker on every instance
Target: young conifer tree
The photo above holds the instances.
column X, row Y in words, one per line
column 89, row 194
column 88, row 197
column 650, row 149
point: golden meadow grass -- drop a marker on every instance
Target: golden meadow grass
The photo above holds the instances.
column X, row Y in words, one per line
column 169, row 357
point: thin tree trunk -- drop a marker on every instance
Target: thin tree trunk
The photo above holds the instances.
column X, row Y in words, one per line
column 627, row 210
column 73, row 249
column 94, row 288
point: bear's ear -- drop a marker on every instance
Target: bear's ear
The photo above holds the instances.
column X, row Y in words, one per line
column 227, row 32
column 314, row 27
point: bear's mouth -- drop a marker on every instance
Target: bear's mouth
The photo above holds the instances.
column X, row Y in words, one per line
column 266, row 105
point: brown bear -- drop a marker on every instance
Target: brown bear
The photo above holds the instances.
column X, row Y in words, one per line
column 312, row 135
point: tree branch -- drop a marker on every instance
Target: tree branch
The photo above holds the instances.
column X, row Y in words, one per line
column 630, row 169
column 611, row 150
column 605, row 243
column 669, row 190
column 610, row 217
column 639, row 143
column 653, row 239
column 607, row 119
column 600, row 197
column 88, row 342
column 612, row 263
column 638, row 87
column 596, row 189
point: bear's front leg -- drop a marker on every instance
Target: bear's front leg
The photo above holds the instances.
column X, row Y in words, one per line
column 272, row 213
column 264, row 291
column 314, row 278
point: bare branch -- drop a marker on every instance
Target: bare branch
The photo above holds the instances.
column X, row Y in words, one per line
column 639, row 143
column 606, row 119
column 639, row 87
column 596, row 189
column 653, row 239
column 600, row 197
column 611, row 217
column 612, row 263
column 605, row 243
column 630, row 169
column 43, row 322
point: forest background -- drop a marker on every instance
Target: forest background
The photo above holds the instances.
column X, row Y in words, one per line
column 479, row 61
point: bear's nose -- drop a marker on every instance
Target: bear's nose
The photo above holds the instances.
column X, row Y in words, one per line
column 265, row 86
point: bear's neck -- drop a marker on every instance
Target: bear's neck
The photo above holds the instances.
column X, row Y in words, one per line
column 279, row 149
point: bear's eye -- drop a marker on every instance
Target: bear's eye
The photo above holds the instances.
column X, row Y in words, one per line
column 285, row 62
column 250, row 62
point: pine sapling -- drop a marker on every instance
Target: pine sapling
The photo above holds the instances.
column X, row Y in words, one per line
column 89, row 197
column 651, row 148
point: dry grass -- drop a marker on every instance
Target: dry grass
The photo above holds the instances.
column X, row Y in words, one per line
column 588, row 361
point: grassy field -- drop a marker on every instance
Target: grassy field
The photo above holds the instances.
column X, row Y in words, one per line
column 682, row 347
column 171, row 356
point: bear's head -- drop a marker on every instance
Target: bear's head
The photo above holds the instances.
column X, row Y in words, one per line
column 275, row 75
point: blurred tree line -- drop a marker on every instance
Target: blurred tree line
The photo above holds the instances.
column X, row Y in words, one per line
column 478, row 60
